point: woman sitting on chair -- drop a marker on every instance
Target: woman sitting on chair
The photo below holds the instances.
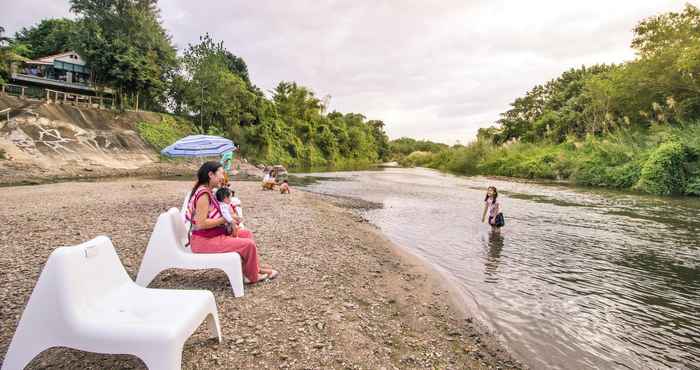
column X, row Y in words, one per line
column 208, row 226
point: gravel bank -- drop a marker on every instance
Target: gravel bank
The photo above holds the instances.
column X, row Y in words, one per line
column 346, row 297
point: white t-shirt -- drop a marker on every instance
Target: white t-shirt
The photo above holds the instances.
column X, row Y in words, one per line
column 226, row 212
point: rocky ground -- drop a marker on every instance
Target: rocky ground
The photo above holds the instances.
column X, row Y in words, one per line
column 14, row 172
column 346, row 298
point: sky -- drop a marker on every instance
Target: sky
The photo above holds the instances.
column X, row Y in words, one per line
column 436, row 70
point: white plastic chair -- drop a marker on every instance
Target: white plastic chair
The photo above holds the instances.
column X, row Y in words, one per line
column 183, row 211
column 166, row 249
column 185, row 203
column 85, row 300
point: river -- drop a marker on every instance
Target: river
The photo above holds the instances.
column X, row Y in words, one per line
column 577, row 279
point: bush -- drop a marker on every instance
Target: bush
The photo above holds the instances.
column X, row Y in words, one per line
column 664, row 173
column 693, row 187
column 614, row 161
column 161, row 134
column 417, row 158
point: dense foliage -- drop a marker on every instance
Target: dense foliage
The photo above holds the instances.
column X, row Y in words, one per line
column 635, row 125
column 208, row 88
column 50, row 36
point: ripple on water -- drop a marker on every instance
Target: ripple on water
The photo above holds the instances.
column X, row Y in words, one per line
column 578, row 278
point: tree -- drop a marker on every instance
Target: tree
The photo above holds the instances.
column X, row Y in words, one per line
column 213, row 85
column 667, row 31
column 127, row 48
column 50, row 36
column 10, row 52
column 381, row 139
column 669, row 63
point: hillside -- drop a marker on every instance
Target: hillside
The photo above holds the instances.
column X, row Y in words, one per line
column 44, row 142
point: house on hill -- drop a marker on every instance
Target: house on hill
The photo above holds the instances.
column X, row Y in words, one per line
column 65, row 71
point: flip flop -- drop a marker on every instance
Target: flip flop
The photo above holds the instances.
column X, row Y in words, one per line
column 273, row 275
column 261, row 277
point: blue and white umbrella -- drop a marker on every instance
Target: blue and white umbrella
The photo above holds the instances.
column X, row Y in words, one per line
column 199, row 146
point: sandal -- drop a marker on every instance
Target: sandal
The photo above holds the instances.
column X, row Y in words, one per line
column 261, row 277
column 273, row 275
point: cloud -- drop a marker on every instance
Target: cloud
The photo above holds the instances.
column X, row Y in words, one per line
column 435, row 70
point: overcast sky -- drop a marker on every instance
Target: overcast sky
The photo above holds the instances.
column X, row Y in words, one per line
column 437, row 70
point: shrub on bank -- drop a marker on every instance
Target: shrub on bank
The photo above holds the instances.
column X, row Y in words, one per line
column 664, row 173
column 661, row 160
column 417, row 158
column 163, row 133
column 614, row 161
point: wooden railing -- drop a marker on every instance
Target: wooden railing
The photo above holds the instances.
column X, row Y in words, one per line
column 58, row 97
column 5, row 111
column 14, row 90
column 62, row 97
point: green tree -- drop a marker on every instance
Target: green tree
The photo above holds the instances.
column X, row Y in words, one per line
column 10, row 52
column 126, row 47
column 50, row 36
column 213, row 86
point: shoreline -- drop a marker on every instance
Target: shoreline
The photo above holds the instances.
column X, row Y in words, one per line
column 460, row 302
column 347, row 298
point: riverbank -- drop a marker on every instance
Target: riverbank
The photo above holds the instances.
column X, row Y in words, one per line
column 662, row 160
column 15, row 173
column 347, row 298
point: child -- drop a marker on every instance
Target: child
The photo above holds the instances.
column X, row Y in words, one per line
column 284, row 187
column 493, row 207
column 223, row 195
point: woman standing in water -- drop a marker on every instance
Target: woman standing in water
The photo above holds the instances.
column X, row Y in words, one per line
column 493, row 207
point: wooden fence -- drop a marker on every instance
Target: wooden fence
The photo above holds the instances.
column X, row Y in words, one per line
column 58, row 97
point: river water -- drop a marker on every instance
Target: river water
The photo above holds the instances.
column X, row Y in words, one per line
column 577, row 279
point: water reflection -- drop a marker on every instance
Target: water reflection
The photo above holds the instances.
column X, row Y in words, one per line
column 495, row 246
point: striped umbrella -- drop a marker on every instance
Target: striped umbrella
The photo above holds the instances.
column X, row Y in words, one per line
column 199, row 146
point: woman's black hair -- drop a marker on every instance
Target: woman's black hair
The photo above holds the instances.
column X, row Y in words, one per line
column 222, row 193
column 495, row 193
column 203, row 174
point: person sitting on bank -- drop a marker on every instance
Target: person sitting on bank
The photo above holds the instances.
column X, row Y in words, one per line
column 284, row 187
column 269, row 180
column 208, row 231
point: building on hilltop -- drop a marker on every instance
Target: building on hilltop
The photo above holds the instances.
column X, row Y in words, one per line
column 65, row 71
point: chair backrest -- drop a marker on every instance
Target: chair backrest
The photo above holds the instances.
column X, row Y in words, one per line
column 73, row 279
column 183, row 210
column 169, row 235
column 179, row 226
column 185, row 204
column 84, row 273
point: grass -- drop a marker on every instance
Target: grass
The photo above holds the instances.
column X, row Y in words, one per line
column 161, row 134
